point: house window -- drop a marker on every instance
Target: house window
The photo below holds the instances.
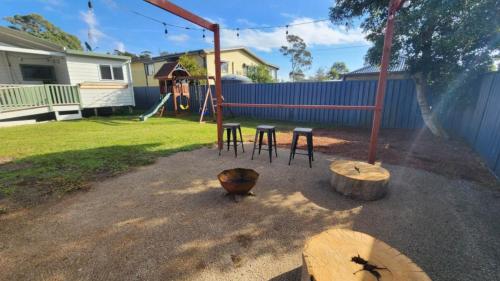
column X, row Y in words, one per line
column 150, row 69
column 43, row 73
column 224, row 66
column 109, row 72
column 117, row 73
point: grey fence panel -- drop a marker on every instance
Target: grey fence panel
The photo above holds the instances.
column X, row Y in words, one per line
column 479, row 123
column 400, row 109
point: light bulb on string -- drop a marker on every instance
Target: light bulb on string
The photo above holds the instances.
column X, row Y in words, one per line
column 166, row 30
column 204, row 34
column 238, row 32
column 89, row 4
column 286, row 30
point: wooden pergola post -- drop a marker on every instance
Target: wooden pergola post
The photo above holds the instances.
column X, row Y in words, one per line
column 394, row 6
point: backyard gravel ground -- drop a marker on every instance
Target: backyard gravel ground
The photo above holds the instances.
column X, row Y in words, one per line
column 172, row 221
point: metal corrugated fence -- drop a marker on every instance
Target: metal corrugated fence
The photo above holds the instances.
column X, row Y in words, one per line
column 400, row 110
column 479, row 123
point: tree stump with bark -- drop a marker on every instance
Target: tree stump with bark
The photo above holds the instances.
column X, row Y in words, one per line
column 359, row 180
column 345, row 255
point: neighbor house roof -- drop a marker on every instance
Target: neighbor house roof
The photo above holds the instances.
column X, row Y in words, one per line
column 26, row 41
column 203, row 52
column 400, row 66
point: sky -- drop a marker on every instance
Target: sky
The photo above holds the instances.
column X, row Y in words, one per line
column 115, row 24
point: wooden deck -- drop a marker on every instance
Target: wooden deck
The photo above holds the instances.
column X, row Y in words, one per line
column 27, row 100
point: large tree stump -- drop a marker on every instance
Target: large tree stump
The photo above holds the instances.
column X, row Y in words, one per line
column 359, row 180
column 331, row 256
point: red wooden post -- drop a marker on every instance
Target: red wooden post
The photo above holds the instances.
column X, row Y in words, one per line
column 394, row 6
column 218, row 85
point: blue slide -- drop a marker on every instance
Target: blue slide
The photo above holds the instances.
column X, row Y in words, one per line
column 152, row 111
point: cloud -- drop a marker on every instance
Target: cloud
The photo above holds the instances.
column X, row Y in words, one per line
column 120, row 46
column 94, row 33
column 314, row 34
column 111, row 4
column 179, row 38
column 52, row 5
column 52, row 2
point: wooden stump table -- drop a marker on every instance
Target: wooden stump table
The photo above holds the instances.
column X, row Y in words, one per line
column 339, row 255
column 359, row 180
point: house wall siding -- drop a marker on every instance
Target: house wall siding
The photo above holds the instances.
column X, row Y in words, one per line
column 86, row 69
column 13, row 74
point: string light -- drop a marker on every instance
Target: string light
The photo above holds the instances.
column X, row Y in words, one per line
column 237, row 29
column 203, row 33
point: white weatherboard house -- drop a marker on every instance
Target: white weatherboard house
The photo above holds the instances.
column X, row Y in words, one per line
column 37, row 76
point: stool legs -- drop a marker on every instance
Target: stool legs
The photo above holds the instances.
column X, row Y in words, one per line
column 241, row 139
column 255, row 143
column 235, row 142
column 270, row 146
column 275, row 145
column 228, row 133
column 233, row 130
column 261, row 136
column 292, row 149
column 309, row 149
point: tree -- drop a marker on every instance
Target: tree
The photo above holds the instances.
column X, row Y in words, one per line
column 337, row 69
column 192, row 66
column 446, row 44
column 38, row 26
column 320, row 75
column 259, row 74
column 145, row 55
column 124, row 53
column 300, row 57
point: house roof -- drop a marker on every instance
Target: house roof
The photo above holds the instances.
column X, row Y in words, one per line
column 25, row 40
column 96, row 55
column 170, row 69
column 203, row 52
column 400, row 66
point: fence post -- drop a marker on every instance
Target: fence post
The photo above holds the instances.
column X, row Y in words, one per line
column 48, row 96
column 78, row 96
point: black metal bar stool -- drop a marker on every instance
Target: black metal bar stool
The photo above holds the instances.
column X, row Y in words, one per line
column 231, row 130
column 271, row 136
column 307, row 132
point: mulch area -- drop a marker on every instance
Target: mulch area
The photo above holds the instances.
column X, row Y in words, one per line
column 416, row 149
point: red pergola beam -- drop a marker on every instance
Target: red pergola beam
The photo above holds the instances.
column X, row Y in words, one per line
column 301, row 106
column 183, row 13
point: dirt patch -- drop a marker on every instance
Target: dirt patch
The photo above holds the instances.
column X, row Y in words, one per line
column 421, row 150
column 5, row 160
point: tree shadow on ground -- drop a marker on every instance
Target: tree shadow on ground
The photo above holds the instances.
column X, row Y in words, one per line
column 35, row 179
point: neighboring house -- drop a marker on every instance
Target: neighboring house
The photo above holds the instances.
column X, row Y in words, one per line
column 96, row 80
column 370, row 72
column 235, row 61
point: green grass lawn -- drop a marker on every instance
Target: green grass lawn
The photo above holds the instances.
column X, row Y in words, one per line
column 50, row 159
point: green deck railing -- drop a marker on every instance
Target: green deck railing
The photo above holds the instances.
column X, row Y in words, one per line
column 16, row 97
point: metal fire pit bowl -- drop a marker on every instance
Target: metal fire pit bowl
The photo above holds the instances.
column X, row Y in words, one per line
column 238, row 181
